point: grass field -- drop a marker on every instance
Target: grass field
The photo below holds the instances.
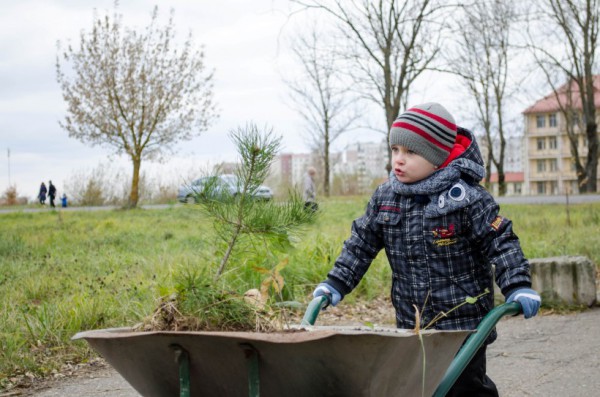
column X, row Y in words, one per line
column 64, row 272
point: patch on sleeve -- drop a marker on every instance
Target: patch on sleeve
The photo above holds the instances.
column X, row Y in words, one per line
column 497, row 222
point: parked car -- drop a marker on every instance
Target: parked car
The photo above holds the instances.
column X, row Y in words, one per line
column 218, row 187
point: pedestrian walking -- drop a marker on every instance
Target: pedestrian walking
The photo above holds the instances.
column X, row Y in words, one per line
column 51, row 193
column 42, row 193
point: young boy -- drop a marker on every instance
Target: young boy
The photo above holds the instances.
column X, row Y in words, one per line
column 441, row 232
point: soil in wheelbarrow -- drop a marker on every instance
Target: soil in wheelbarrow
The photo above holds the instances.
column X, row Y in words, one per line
column 252, row 315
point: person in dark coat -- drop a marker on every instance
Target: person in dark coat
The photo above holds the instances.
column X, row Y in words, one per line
column 442, row 232
column 51, row 193
column 42, row 193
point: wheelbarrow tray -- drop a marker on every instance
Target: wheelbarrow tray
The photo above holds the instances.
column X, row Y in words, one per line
column 311, row 361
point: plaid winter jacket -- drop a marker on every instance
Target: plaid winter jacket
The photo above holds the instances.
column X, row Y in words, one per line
column 441, row 236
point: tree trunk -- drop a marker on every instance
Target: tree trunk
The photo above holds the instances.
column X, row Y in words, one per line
column 391, row 113
column 592, row 162
column 326, row 182
column 135, row 183
column 501, row 180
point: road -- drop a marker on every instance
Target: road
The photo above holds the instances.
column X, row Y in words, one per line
column 560, row 199
column 7, row 210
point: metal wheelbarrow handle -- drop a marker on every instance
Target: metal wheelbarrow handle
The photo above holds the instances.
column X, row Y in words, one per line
column 314, row 308
column 473, row 343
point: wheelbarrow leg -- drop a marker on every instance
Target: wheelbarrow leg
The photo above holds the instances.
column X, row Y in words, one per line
column 182, row 358
column 253, row 373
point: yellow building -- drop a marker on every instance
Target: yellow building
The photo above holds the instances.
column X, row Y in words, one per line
column 549, row 166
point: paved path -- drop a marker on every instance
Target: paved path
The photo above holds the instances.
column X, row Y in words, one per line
column 549, row 199
column 550, row 355
column 553, row 355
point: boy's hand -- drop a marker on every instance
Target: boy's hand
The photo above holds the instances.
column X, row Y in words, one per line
column 325, row 289
column 529, row 299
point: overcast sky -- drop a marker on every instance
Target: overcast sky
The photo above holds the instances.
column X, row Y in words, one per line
column 242, row 43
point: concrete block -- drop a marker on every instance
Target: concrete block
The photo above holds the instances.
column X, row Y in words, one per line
column 562, row 280
column 567, row 280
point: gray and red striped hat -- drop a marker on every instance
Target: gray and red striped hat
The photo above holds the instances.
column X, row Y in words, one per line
column 428, row 130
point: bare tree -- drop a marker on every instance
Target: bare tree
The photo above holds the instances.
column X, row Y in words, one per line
column 321, row 99
column 388, row 44
column 567, row 47
column 481, row 58
column 134, row 92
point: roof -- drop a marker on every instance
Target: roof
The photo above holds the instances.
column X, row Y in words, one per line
column 550, row 103
column 509, row 177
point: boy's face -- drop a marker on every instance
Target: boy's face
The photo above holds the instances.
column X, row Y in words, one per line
column 408, row 166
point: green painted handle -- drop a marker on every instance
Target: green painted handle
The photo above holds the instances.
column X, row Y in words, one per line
column 473, row 344
column 314, row 308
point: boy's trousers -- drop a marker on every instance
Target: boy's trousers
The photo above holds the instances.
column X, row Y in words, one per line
column 474, row 382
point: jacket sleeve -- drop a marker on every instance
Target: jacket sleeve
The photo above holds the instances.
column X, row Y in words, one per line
column 358, row 251
column 499, row 244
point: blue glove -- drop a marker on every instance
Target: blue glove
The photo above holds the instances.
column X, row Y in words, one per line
column 325, row 289
column 529, row 299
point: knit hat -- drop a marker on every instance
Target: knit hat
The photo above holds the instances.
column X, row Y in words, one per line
column 428, row 129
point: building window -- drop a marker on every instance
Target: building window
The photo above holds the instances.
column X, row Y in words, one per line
column 554, row 187
column 541, row 165
column 518, row 188
column 553, row 165
column 552, row 120
column 541, row 188
column 552, row 142
column 540, row 121
column 574, row 187
column 541, row 143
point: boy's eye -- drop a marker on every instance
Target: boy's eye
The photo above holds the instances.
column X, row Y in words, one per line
column 410, row 151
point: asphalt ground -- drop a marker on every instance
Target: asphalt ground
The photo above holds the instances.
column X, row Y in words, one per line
column 549, row 355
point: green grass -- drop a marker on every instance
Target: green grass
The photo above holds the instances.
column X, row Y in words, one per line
column 65, row 272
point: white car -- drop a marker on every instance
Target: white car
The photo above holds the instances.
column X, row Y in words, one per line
column 219, row 186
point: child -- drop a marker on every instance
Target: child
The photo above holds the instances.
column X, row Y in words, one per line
column 441, row 232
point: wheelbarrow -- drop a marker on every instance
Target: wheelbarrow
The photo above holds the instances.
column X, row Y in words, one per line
column 304, row 361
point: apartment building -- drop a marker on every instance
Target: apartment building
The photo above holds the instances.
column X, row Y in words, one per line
column 549, row 167
column 288, row 169
column 513, row 180
column 363, row 163
column 513, row 164
column 353, row 170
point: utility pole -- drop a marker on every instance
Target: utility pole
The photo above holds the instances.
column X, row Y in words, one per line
column 8, row 155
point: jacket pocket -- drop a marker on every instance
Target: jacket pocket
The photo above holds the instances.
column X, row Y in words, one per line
column 389, row 223
column 388, row 218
